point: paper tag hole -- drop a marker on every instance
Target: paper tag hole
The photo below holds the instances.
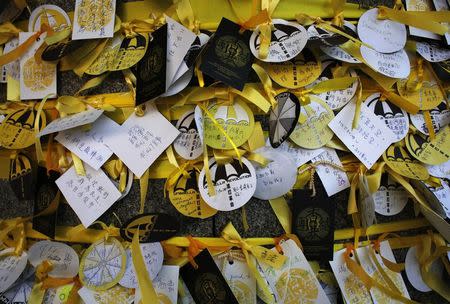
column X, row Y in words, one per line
column 351, row 255
column 231, row 262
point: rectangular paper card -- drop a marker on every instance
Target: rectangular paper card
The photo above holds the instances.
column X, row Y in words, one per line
column 137, row 142
column 46, row 190
column 369, row 140
column 89, row 145
column 206, row 283
column 295, row 279
column 239, row 277
column 166, row 284
column 334, row 180
column 151, row 70
column 443, row 5
column 89, row 196
column 421, row 6
column 72, row 121
column 313, row 223
column 228, row 57
column 13, row 68
column 37, row 79
column 93, row 19
column 179, row 40
column 352, row 289
column 369, row 266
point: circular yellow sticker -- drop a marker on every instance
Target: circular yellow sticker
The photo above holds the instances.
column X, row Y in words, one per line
column 430, row 152
column 297, row 72
column 185, row 197
column 398, row 159
column 428, row 96
column 103, row 264
column 17, row 129
column 314, row 132
column 50, row 14
column 236, row 120
column 296, row 284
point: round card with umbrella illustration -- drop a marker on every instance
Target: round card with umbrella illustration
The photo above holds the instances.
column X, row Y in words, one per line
column 314, row 132
column 390, row 198
column 188, row 144
column 440, row 117
column 400, row 161
column 103, row 264
column 338, row 98
column 296, row 72
column 430, row 151
column 319, row 35
column 395, row 117
column 234, row 184
column 427, row 95
column 235, row 119
column 185, row 197
column 287, row 41
column 283, row 118
column 17, row 129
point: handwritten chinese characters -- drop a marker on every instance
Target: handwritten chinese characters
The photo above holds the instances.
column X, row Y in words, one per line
column 369, row 140
column 89, row 196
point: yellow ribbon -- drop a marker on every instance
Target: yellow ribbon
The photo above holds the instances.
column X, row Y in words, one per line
column 145, row 26
column 262, row 254
column 7, row 32
column 148, row 293
column 143, row 185
column 429, row 21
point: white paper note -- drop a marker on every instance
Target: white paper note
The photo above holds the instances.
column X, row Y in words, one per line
column 13, row 68
column 93, row 19
column 89, row 196
column 369, row 140
column 140, row 140
column 179, row 40
column 89, row 145
column 37, row 80
column 72, row 121
column 334, row 180
column 166, row 283
column 299, row 155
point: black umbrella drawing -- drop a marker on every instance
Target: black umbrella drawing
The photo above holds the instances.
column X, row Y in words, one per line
column 384, row 108
column 23, row 118
column 305, row 57
column 21, row 177
column 417, row 143
column 283, row 118
column 281, row 33
column 330, row 38
column 442, row 107
column 184, row 184
column 396, row 153
column 137, row 43
column 187, row 124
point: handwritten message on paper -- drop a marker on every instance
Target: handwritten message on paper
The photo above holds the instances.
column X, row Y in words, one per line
column 369, row 140
column 89, row 196
column 334, row 180
column 89, row 146
column 138, row 142
column 93, row 19
column 71, row 121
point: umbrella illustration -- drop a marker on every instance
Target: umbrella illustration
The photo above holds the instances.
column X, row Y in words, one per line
column 103, row 264
column 416, row 142
column 397, row 153
column 229, row 172
column 281, row 33
column 441, row 108
column 236, row 117
column 17, row 130
column 384, row 108
column 184, row 184
column 305, row 57
column 187, row 124
column 329, row 38
column 283, row 118
column 21, row 177
column 137, row 42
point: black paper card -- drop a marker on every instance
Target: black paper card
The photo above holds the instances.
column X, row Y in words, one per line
column 206, row 283
column 228, row 57
column 313, row 223
column 153, row 227
column 151, row 69
column 45, row 193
